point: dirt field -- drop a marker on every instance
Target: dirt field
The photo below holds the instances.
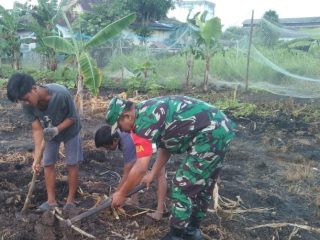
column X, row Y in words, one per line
column 271, row 176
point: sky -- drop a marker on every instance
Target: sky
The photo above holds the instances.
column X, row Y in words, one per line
column 9, row 3
column 234, row 12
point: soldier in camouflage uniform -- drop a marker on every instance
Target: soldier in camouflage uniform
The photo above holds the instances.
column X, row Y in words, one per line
column 177, row 124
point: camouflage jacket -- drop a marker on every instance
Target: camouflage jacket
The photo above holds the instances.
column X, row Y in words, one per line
column 172, row 121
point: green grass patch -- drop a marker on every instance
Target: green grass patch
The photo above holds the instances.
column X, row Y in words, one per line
column 3, row 82
column 238, row 109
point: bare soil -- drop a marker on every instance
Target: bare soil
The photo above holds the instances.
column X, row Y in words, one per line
column 271, row 175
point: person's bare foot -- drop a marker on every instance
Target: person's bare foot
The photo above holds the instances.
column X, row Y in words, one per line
column 156, row 215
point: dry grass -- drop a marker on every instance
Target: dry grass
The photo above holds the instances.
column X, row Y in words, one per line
column 213, row 228
column 7, row 127
column 151, row 231
column 285, row 224
column 99, row 105
column 318, row 201
column 3, row 93
column 297, row 172
column 318, row 205
column 95, row 105
column 299, row 178
column 9, row 122
column 88, row 144
column 16, row 157
column 275, row 144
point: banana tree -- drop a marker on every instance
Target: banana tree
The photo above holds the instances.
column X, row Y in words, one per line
column 9, row 25
column 208, row 35
column 44, row 17
column 189, row 53
column 89, row 74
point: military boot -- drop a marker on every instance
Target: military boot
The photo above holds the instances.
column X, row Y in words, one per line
column 193, row 231
column 174, row 234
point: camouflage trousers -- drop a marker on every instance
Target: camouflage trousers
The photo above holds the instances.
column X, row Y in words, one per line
column 191, row 191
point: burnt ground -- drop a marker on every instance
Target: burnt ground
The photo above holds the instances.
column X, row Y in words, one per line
column 270, row 176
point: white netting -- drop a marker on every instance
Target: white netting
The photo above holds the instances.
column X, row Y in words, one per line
column 289, row 67
column 293, row 33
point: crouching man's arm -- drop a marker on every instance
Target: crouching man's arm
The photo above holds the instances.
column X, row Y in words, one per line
column 162, row 158
column 137, row 172
column 135, row 176
column 126, row 169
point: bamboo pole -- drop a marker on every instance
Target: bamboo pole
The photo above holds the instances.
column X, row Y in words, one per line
column 249, row 50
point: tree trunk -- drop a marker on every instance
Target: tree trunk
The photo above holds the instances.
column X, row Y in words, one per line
column 43, row 61
column 79, row 95
column 189, row 61
column 120, row 45
column 206, row 74
column 52, row 63
column 16, row 63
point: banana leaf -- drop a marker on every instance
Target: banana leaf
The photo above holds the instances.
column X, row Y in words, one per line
column 59, row 44
column 210, row 30
column 111, row 30
column 90, row 72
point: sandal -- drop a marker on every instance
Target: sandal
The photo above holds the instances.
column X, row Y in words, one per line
column 69, row 206
column 46, row 207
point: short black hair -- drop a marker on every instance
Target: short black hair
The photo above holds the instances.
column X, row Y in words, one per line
column 103, row 136
column 128, row 106
column 19, row 85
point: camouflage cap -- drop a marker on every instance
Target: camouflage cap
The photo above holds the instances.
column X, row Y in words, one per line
column 115, row 109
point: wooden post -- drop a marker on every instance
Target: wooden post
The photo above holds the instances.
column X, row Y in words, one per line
column 249, row 49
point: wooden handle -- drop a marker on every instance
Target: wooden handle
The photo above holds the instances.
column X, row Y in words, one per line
column 34, row 178
column 104, row 205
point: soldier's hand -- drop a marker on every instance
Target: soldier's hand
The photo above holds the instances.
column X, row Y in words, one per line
column 118, row 199
column 36, row 167
column 49, row 133
column 147, row 179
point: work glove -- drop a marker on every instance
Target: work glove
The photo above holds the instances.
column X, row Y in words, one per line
column 49, row 133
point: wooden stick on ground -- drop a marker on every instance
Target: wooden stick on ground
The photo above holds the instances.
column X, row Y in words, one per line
column 240, row 211
column 206, row 237
column 215, row 196
column 34, row 177
column 76, row 228
column 139, row 213
column 293, row 233
column 279, row 225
